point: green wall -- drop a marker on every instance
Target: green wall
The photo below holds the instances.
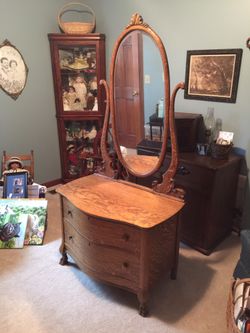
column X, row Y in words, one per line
column 29, row 122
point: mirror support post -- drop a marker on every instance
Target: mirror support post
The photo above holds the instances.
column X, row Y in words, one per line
column 107, row 168
column 167, row 185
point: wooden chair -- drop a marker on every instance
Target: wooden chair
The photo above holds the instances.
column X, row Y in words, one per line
column 27, row 160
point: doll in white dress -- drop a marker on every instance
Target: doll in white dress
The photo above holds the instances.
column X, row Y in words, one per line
column 81, row 90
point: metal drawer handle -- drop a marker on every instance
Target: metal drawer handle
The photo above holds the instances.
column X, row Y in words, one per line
column 125, row 264
column 182, row 170
column 70, row 213
column 70, row 237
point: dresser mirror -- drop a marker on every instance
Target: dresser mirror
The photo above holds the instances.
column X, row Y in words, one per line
column 139, row 80
column 139, row 90
column 138, row 86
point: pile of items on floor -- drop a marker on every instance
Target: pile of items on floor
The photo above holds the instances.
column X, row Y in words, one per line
column 23, row 208
column 239, row 300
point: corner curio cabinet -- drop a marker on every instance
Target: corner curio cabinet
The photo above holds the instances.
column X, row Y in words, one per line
column 78, row 64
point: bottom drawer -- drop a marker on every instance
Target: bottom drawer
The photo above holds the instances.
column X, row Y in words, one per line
column 104, row 262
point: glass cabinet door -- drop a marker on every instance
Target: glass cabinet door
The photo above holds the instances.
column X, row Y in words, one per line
column 82, row 146
column 78, row 78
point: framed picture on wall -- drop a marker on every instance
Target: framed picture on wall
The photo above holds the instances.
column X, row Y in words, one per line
column 15, row 185
column 213, row 75
column 13, row 70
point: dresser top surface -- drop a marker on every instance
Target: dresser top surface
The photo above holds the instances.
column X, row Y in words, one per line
column 107, row 198
column 207, row 161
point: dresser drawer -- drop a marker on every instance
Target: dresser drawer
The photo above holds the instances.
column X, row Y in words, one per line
column 100, row 259
column 102, row 232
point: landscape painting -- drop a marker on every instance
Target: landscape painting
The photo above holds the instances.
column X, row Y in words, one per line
column 213, row 75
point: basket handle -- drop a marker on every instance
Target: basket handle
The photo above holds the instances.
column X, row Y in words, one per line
column 239, row 281
column 65, row 8
column 236, row 284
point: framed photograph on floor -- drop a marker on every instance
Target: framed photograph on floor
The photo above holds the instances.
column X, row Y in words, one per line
column 12, row 224
column 213, row 75
column 15, row 185
column 22, row 222
column 36, row 221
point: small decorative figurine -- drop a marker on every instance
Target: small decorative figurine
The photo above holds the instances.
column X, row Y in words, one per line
column 15, row 165
column 42, row 192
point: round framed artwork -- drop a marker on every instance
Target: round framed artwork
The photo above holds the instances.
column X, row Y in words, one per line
column 13, row 70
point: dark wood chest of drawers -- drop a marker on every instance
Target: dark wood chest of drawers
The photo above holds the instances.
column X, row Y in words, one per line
column 210, row 185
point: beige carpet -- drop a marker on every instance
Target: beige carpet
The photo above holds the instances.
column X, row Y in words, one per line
column 37, row 295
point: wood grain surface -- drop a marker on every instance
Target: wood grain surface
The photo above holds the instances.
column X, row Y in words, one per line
column 107, row 198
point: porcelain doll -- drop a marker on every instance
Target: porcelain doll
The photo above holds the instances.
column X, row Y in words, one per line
column 15, row 165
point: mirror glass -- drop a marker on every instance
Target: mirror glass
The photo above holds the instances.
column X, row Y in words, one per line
column 139, row 101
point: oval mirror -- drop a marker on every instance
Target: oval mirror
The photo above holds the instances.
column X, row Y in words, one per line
column 139, row 93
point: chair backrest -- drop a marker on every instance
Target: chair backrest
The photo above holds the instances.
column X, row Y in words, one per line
column 27, row 159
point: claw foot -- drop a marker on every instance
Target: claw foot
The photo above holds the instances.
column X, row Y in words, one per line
column 64, row 260
column 143, row 310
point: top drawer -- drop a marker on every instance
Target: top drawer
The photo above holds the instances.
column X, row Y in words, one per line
column 103, row 232
column 195, row 177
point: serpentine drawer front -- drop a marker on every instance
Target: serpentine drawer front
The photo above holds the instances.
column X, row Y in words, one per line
column 111, row 263
column 101, row 232
column 120, row 233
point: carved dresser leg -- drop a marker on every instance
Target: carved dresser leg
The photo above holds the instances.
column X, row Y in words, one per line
column 142, row 297
column 143, row 310
column 64, row 260
column 173, row 274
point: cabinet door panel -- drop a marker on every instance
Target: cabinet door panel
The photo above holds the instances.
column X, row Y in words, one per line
column 194, row 218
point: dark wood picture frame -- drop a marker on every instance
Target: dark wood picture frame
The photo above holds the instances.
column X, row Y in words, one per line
column 15, row 185
column 213, row 75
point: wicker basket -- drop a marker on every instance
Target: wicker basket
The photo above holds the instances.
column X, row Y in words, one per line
column 231, row 325
column 220, row 152
column 76, row 27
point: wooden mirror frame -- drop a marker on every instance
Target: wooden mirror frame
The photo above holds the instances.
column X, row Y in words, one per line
column 167, row 184
column 137, row 24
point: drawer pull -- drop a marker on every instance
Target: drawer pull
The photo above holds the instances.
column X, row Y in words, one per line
column 182, row 170
column 70, row 213
column 125, row 264
column 125, row 237
column 70, row 237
